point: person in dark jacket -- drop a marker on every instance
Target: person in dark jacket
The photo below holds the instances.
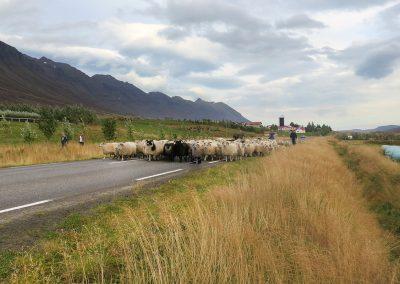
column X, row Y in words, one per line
column 293, row 136
column 271, row 136
column 64, row 140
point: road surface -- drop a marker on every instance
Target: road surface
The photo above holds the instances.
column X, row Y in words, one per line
column 41, row 186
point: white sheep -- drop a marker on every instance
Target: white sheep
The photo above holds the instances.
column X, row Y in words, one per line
column 126, row 149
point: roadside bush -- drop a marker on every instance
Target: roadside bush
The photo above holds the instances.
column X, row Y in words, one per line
column 162, row 135
column 75, row 114
column 48, row 122
column 5, row 126
column 109, row 127
column 129, row 129
column 27, row 133
column 68, row 129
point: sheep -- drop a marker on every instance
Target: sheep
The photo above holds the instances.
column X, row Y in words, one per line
column 249, row 148
column 126, row 149
column 140, row 145
column 196, row 149
column 240, row 149
column 210, row 149
column 109, row 149
column 154, row 148
column 229, row 150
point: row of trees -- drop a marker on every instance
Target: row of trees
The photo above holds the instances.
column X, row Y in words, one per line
column 310, row 128
column 318, row 129
column 372, row 136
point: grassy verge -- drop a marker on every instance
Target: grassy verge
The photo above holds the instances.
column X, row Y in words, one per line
column 296, row 216
column 380, row 178
column 29, row 154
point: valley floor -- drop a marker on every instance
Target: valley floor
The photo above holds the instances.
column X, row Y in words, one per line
column 301, row 214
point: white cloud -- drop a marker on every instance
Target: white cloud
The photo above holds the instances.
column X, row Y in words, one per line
column 329, row 61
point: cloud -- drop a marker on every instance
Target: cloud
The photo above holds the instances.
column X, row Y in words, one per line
column 309, row 59
column 333, row 5
column 373, row 60
column 390, row 17
column 216, row 82
column 379, row 64
column 190, row 12
column 300, row 21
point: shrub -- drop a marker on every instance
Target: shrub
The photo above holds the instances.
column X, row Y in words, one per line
column 129, row 129
column 48, row 122
column 162, row 135
column 75, row 114
column 5, row 126
column 109, row 127
column 68, row 129
column 27, row 133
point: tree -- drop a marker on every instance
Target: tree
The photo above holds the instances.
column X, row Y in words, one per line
column 109, row 128
column 274, row 127
column 292, row 124
column 27, row 133
column 48, row 122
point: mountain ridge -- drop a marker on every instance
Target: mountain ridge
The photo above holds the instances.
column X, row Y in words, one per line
column 24, row 79
column 382, row 128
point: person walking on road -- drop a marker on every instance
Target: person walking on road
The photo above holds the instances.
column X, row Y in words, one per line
column 293, row 136
column 81, row 140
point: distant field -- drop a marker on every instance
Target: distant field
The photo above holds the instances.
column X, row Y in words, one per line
column 297, row 216
column 143, row 129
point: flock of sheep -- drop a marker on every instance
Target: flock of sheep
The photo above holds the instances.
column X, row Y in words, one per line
column 190, row 150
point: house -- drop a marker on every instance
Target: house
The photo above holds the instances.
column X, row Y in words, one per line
column 257, row 124
column 300, row 129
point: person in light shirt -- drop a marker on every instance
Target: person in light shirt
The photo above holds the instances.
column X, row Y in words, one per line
column 81, row 140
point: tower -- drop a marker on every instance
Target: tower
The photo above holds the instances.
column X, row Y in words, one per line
column 281, row 120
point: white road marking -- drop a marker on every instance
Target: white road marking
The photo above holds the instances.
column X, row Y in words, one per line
column 157, row 175
column 213, row 162
column 118, row 162
column 25, row 206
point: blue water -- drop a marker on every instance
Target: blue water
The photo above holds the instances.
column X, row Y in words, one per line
column 392, row 151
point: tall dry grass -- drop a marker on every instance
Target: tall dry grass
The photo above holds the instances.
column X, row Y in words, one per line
column 380, row 180
column 296, row 216
column 29, row 154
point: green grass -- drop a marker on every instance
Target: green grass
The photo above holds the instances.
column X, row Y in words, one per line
column 6, row 263
column 143, row 129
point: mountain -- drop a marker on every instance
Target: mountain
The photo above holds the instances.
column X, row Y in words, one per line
column 24, row 79
column 384, row 128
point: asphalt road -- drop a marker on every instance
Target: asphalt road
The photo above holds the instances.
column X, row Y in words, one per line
column 27, row 187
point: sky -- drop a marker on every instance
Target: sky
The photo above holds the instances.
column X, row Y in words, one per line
column 334, row 62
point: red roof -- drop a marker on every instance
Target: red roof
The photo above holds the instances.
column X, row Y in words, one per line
column 254, row 123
